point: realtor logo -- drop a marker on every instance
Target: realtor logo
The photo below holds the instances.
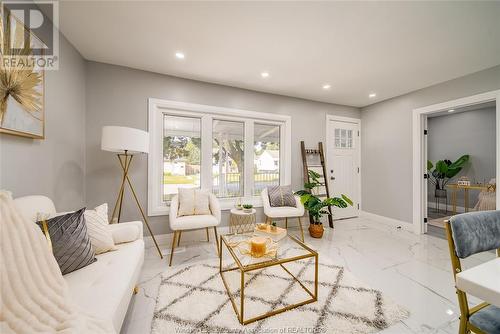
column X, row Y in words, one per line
column 29, row 34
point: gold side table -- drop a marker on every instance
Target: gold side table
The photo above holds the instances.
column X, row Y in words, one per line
column 456, row 187
column 241, row 221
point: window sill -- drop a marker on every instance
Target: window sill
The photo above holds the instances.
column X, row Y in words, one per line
column 226, row 204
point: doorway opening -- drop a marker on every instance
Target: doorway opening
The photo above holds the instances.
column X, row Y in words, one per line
column 461, row 163
column 456, row 156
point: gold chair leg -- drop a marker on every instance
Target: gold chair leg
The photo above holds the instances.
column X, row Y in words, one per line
column 462, row 329
column 173, row 247
column 301, row 230
column 286, row 222
column 216, row 240
column 179, row 238
column 208, row 238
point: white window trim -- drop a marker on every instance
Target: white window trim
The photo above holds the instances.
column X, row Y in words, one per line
column 156, row 108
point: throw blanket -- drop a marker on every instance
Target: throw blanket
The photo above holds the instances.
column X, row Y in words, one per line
column 34, row 295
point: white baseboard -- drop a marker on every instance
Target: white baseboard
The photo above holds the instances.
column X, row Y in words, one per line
column 388, row 221
column 190, row 235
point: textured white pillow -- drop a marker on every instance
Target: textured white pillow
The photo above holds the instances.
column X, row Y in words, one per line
column 193, row 202
column 97, row 229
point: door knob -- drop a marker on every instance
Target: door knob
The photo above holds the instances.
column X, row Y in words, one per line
column 332, row 177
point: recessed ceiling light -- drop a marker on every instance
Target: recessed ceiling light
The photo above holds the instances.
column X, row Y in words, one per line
column 451, row 110
column 326, row 86
column 264, row 74
column 372, row 95
column 179, row 55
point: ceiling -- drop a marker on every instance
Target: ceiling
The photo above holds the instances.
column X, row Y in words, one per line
column 358, row 48
column 474, row 107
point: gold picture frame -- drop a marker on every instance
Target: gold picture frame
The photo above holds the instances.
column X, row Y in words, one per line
column 22, row 87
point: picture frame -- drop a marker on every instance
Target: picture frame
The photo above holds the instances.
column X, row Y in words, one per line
column 17, row 118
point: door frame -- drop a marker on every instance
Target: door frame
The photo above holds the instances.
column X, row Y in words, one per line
column 328, row 142
column 419, row 118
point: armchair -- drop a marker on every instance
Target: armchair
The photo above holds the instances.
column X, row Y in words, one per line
column 468, row 234
column 196, row 222
column 283, row 211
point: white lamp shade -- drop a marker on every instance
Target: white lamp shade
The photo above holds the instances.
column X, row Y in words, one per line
column 119, row 139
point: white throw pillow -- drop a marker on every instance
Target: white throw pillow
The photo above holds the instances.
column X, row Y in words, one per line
column 193, row 202
column 97, row 229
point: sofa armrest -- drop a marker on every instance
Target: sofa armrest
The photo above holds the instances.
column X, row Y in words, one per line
column 126, row 232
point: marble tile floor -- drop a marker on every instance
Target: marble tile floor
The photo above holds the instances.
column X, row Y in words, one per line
column 413, row 270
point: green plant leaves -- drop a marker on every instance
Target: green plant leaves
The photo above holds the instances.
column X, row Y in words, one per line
column 460, row 162
column 347, row 199
column 313, row 204
column 441, row 167
column 446, row 170
column 310, row 185
column 302, row 192
column 304, row 198
column 313, row 174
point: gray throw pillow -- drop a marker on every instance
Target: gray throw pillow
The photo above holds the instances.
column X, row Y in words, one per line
column 70, row 242
column 281, row 196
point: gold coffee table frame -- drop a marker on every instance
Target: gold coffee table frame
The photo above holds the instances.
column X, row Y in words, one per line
column 256, row 266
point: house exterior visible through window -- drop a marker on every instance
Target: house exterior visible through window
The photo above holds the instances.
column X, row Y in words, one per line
column 228, row 158
column 266, row 156
column 181, row 154
column 233, row 153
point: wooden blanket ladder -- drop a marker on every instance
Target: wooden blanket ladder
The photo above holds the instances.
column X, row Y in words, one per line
column 314, row 159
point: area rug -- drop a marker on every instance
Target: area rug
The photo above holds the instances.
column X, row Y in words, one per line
column 193, row 299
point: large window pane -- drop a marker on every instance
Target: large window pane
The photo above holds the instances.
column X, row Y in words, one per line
column 227, row 158
column 181, row 154
column 266, row 156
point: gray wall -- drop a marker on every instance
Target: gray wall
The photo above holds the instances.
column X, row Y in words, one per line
column 471, row 132
column 54, row 166
column 118, row 96
column 387, row 142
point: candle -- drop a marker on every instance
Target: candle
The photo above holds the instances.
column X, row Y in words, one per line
column 258, row 246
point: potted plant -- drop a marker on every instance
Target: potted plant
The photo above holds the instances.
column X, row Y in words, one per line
column 247, row 208
column 444, row 170
column 273, row 226
column 317, row 207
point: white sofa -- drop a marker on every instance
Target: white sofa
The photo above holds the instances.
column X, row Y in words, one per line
column 104, row 288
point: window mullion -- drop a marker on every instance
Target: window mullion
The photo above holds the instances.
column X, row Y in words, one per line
column 249, row 158
column 285, row 163
column 206, row 152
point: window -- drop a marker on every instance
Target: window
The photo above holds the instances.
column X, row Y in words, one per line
column 343, row 138
column 227, row 158
column 181, row 154
column 266, row 156
column 233, row 153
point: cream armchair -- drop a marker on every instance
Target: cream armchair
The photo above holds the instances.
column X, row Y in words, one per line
column 283, row 211
column 196, row 222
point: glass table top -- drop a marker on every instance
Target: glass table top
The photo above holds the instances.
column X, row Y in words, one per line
column 289, row 248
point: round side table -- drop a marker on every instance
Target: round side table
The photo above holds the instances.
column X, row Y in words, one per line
column 241, row 221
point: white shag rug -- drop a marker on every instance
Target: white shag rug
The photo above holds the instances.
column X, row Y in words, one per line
column 192, row 299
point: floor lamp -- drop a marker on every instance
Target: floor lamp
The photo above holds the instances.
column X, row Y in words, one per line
column 126, row 142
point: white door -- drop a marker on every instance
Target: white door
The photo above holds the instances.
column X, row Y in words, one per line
column 343, row 164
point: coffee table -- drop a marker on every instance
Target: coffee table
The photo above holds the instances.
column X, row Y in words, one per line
column 290, row 249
